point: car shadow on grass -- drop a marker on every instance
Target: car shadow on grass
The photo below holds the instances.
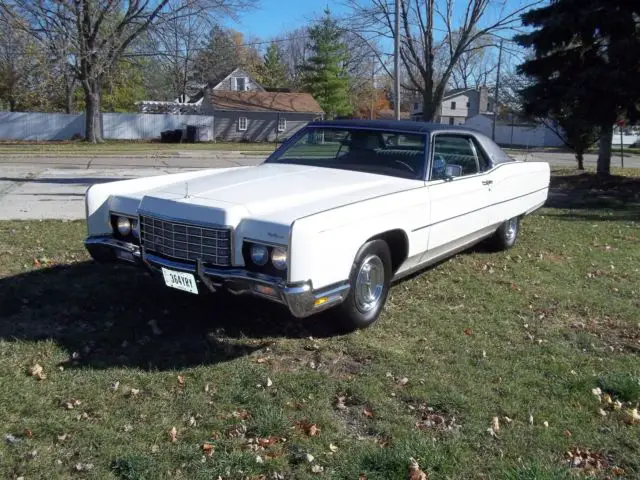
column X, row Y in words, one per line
column 118, row 316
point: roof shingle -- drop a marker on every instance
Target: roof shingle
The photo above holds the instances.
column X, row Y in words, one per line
column 264, row 101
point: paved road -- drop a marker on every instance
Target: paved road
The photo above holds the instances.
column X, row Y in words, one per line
column 53, row 187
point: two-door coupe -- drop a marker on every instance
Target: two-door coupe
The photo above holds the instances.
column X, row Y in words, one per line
column 330, row 219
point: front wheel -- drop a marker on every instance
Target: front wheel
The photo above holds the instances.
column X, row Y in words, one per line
column 369, row 279
column 506, row 235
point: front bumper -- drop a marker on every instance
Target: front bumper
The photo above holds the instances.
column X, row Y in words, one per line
column 301, row 299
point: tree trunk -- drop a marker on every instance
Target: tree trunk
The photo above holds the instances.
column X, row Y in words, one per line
column 429, row 107
column 580, row 159
column 93, row 125
column 604, row 149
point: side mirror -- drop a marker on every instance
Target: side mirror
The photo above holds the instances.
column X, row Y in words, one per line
column 451, row 171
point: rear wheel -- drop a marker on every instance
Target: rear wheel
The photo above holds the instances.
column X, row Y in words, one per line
column 506, row 235
column 369, row 279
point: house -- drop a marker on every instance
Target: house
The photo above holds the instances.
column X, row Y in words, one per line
column 259, row 116
column 458, row 105
column 515, row 131
column 243, row 110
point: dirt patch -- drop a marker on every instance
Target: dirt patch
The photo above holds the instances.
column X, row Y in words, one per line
column 592, row 463
column 617, row 334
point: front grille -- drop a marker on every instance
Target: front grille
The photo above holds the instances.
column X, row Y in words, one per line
column 183, row 241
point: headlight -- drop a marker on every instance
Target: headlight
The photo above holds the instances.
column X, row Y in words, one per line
column 135, row 228
column 124, row 226
column 279, row 258
column 259, row 254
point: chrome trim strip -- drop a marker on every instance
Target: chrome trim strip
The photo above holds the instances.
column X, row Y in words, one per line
column 182, row 221
column 109, row 241
column 268, row 243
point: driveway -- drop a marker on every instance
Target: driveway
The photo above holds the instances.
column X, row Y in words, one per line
column 46, row 187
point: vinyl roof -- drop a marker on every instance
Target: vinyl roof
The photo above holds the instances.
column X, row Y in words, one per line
column 402, row 125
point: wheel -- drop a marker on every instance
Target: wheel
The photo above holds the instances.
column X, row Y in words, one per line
column 506, row 235
column 370, row 278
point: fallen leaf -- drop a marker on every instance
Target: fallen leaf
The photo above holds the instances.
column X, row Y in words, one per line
column 596, row 391
column 415, row 473
column 494, row 429
column 367, row 413
column 403, row 381
column 317, row 469
column 208, row 449
column 241, row 413
column 508, row 420
column 546, row 424
column 10, row 439
column 362, row 476
column 28, row 433
column 468, row 332
column 155, row 448
column 617, row 471
column 602, row 412
column 134, row 391
column 259, row 459
column 311, row 429
column 310, row 458
column 180, row 381
column 127, row 428
column 340, row 403
column 114, row 386
column 173, row 435
column 484, row 354
column 206, row 388
column 269, row 382
column 617, row 405
column 333, row 448
column 84, row 467
column 633, row 416
column 567, row 434
column 63, row 437
column 192, row 421
column 37, row 371
column 530, row 419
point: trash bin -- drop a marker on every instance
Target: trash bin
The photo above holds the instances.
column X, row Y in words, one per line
column 191, row 133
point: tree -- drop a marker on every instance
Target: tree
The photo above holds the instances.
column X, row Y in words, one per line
column 429, row 61
column 273, row 71
column 100, row 33
column 587, row 52
column 325, row 76
column 475, row 65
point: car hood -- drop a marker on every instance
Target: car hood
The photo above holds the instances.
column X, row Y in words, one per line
column 276, row 192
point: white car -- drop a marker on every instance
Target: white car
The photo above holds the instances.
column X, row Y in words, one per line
column 330, row 219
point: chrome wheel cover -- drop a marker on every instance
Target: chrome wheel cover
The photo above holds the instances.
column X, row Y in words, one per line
column 369, row 284
column 511, row 230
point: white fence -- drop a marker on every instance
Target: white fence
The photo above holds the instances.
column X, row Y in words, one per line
column 520, row 135
column 115, row 126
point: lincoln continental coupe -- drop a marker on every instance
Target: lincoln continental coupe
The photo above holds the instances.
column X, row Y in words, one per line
column 331, row 218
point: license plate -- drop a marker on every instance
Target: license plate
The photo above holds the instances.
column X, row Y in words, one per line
column 180, row 280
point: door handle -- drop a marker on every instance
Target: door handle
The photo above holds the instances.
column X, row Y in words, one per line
column 487, row 182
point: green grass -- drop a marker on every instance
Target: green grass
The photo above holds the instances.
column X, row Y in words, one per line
column 526, row 332
column 122, row 147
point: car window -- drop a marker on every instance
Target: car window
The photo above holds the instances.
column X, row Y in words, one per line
column 374, row 151
column 453, row 156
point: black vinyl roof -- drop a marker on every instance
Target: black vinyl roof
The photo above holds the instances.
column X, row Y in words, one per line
column 397, row 125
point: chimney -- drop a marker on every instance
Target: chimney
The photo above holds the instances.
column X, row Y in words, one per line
column 483, row 103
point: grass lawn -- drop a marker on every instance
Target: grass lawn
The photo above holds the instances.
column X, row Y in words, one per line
column 124, row 147
column 525, row 336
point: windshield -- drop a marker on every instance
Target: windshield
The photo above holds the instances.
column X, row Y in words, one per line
column 373, row 151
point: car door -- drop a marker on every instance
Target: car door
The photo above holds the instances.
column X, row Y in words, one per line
column 459, row 194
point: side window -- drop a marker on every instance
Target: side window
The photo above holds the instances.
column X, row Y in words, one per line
column 483, row 160
column 453, row 156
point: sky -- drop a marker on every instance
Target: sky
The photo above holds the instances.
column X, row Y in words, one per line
column 273, row 17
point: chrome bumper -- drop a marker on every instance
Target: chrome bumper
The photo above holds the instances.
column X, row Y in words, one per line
column 301, row 299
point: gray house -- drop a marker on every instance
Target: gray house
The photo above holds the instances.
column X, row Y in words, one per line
column 458, row 105
column 258, row 116
column 243, row 110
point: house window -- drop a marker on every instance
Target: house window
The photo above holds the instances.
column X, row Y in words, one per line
column 468, row 104
column 453, row 105
column 242, row 124
column 416, row 106
column 451, row 119
column 282, row 124
column 241, row 84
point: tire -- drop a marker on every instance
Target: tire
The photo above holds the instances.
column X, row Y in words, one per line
column 506, row 235
column 362, row 306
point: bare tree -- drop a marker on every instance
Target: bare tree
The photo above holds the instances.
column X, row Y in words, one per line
column 475, row 66
column 102, row 32
column 424, row 46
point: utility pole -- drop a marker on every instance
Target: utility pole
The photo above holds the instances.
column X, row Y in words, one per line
column 495, row 100
column 396, row 62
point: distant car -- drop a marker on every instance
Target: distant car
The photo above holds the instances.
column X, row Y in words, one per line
column 330, row 219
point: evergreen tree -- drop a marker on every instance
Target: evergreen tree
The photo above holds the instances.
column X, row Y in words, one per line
column 325, row 76
column 587, row 54
column 273, row 72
